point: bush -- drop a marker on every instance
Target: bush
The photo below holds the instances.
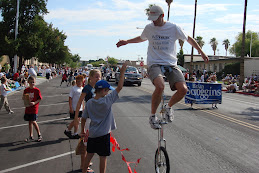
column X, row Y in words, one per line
column 232, row 68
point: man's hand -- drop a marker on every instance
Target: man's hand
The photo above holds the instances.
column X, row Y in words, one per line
column 71, row 111
column 121, row 43
column 205, row 57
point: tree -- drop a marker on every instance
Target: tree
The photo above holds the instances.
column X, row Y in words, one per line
column 226, row 43
column 52, row 46
column 236, row 47
column 112, row 61
column 147, row 10
column 180, row 58
column 181, row 42
column 214, row 44
column 30, row 11
column 200, row 42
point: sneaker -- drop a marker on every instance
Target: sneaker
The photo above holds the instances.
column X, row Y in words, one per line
column 68, row 134
column 169, row 114
column 76, row 136
column 39, row 138
column 11, row 112
column 153, row 122
column 29, row 139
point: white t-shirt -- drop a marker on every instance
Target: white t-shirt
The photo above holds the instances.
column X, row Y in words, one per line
column 162, row 43
column 3, row 92
column 48, row 70
column 75, row 93
column 32, row 72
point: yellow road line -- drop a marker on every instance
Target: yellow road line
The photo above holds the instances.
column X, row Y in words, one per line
column 254, row 127
column 219, row 115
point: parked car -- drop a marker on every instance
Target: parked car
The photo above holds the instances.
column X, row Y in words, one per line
column 132, row 76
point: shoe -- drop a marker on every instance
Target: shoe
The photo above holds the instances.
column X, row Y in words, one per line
column 11, row 112
column 68, row 134
column 153, row 122
column 76, row 136
column 169, row 114
column 29, row 139
column 39, row 138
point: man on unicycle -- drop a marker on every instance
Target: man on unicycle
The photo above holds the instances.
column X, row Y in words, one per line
column 162, row 60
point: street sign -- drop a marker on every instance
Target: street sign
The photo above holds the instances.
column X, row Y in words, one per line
column 141, row 64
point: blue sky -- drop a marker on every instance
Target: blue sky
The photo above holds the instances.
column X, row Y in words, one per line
column 94, row 27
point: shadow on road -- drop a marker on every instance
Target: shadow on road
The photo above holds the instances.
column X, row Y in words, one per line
column 75, row 171
column 252, row 113
column 37, row 144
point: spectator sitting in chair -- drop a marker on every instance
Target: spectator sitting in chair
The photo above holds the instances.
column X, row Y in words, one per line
column 232, row 88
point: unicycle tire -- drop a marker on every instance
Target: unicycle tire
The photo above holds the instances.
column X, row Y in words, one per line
column 162, row 164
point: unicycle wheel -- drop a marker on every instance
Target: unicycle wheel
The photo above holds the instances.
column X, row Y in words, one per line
column 162, row 164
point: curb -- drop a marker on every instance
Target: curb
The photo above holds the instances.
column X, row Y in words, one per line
column 244, row 93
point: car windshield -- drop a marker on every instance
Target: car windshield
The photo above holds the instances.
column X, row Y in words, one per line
column 131, row 70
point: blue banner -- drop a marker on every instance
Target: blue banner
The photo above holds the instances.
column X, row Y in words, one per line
column 203, row 93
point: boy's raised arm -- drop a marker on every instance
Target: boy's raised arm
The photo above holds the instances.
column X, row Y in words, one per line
column 121, row 81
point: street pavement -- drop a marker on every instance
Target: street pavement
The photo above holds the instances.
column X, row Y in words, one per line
column 199, row 140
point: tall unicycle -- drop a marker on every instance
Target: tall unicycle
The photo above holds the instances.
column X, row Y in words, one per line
column 162, row 164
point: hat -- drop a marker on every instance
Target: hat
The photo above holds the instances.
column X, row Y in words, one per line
column 155, row 12
column 103, row 84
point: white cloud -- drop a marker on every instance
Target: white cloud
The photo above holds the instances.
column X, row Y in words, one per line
column 90, row 15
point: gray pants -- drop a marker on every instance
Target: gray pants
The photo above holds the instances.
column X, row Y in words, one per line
column 4, row 102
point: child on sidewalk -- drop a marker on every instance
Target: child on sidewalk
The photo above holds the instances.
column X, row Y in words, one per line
column 31, row 112
column 98, row 109
column 4, row 100
column 74, row 96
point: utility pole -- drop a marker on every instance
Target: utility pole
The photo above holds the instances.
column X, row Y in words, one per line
column 193, row 35
column 16, row 33
column 242, row 76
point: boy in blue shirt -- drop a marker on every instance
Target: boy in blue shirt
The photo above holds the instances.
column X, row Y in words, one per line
column 102, row 121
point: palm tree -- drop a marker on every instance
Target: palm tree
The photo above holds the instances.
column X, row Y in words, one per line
column 214, row 44
column 226, row 43
column 147, row 10
column 181, row 42
column 200, row 42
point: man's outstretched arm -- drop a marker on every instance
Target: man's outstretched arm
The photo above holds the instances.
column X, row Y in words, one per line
column 196, row 46
column 133, row 40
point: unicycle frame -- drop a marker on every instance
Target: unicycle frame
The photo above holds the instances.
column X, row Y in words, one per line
column 161, row 150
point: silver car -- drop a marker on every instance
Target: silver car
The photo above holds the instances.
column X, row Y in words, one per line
column 132, row 76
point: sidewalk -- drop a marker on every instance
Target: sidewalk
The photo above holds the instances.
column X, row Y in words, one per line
column 241, row 92
column 39, row 81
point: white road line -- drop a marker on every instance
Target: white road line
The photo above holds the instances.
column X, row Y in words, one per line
column 43, row 105
column 36, row 162
column 19, row 125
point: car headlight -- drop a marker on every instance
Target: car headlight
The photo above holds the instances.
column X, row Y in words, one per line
column 125, row 77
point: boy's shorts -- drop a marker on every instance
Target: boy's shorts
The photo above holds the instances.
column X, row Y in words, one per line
column 174, row 76
column 72, row 115
column 99, row 145
column 30, row 117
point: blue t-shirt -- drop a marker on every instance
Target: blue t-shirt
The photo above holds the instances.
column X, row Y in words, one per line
column 100, row 113
column 89, row 90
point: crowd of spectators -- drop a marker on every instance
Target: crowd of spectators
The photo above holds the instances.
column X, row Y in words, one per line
column 251, row 83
